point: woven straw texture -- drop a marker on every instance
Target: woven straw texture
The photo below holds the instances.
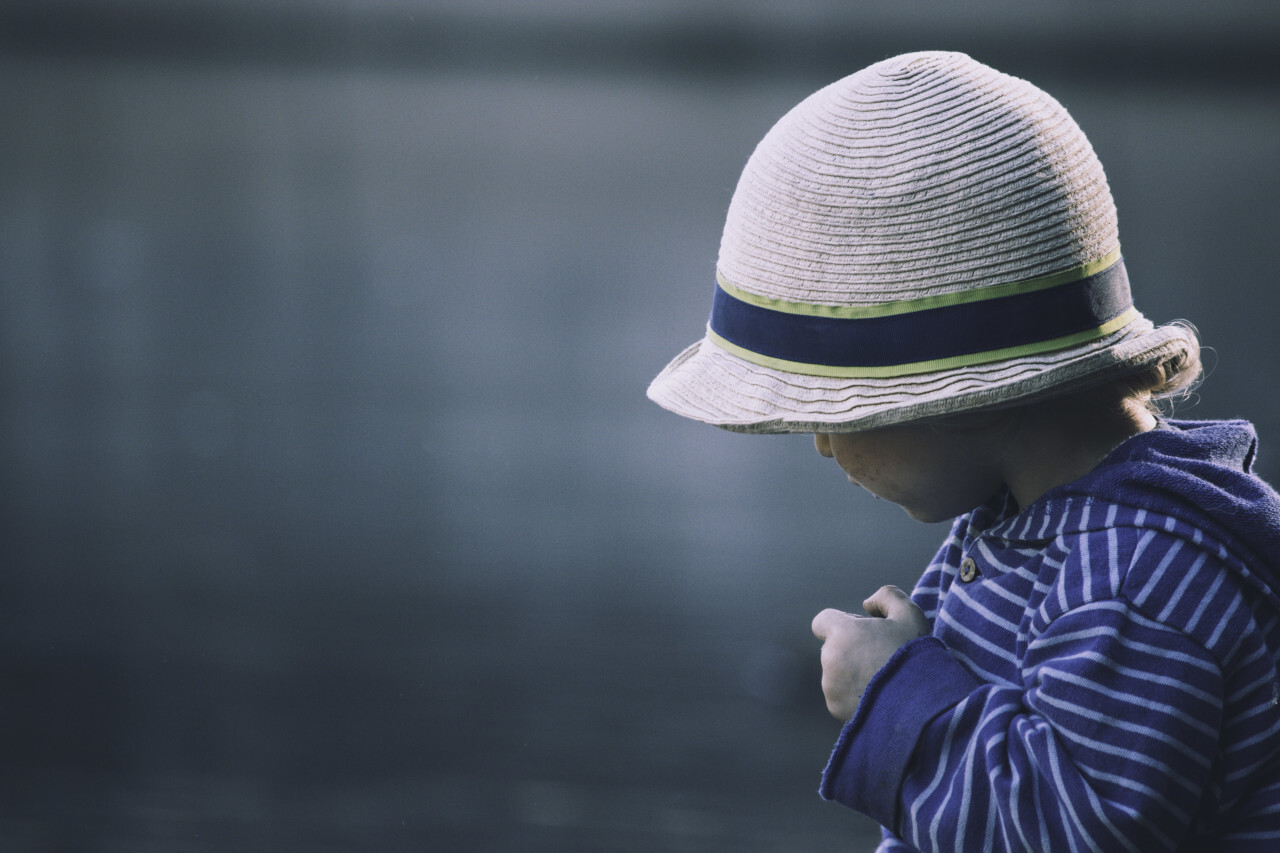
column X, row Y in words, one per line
column 919, row 175
column 925, row 174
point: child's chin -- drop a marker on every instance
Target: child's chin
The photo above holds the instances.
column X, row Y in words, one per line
column 928, row 516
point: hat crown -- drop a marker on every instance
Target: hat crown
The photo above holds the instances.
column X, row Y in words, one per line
column 924, row 174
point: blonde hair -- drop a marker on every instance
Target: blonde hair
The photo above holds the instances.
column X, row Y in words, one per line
column 1161, row 386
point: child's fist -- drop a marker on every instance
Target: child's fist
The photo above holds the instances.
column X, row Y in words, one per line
column 855, row 647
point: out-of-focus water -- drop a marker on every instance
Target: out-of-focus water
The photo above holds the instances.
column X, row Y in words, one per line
column 334, row 516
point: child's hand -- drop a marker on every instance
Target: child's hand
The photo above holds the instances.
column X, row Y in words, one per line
column 855, row 647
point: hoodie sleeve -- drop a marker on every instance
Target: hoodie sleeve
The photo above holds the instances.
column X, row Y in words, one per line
column 1106, row 742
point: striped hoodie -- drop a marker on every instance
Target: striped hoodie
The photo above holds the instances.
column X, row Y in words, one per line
column 1102, row 669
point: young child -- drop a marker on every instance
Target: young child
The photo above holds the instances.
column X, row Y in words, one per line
column 920, row 265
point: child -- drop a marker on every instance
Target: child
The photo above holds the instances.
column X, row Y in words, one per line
column 921, row 266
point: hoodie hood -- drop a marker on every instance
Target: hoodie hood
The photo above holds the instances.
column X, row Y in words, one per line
column 1198, row 472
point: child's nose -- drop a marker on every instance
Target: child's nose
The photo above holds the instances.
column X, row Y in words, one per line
column 823, row 444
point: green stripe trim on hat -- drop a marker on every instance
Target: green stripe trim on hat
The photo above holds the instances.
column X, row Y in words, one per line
column 923, row 303
column 968, row 360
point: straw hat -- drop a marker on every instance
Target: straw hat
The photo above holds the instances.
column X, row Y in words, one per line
column 924, row 237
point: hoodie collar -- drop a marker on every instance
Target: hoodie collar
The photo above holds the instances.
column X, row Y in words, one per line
column 1195, row 472
column 1162, row 471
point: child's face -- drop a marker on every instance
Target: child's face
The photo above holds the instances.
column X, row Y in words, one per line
column 933, row 473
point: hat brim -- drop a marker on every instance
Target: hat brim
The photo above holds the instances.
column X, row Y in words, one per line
column 709, row 384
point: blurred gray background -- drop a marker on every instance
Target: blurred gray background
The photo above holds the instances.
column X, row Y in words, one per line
column 332, row 513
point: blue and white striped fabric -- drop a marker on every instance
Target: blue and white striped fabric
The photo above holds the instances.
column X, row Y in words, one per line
column 1107, row 681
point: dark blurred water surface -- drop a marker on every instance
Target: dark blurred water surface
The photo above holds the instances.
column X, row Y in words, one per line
column 333, row 514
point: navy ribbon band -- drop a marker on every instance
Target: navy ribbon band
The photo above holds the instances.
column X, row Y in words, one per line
column 1023, row 319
